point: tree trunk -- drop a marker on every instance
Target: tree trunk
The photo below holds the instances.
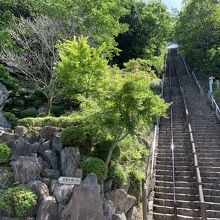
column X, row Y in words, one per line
column 49, row 104
column 110, row 152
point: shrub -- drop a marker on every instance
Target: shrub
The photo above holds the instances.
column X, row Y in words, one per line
column 57, row 110
column 17, row 201
column 7, row 179
column 77, row 136
column 11, row 118
column 61, row 122
column 118, row 175
column 135, row 178
column 30, row 112
column 95, row 165
column 101, row 151
column 5, row 153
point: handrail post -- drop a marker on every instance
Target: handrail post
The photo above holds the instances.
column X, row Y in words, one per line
column 144, row 199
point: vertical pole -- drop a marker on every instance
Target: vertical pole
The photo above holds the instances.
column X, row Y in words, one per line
column 144, row 199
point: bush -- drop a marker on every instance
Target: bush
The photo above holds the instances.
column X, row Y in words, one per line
column 101, row 151
column 30, row 112
column 118, row 175
column 5, row 153
column 7, row 179
column 95, row 165
column 57, row 110
column 61, row 122
column 11, row 118
column 17, row 201
column 135, row 178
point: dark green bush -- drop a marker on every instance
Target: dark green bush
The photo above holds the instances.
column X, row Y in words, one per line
column 118, row 175
column 5, row 153
column 101, row 151
column 77, row 136
column 11, row 118
column 57, row 110
column 135, row 178
column 17, row 201
column 30, row 112
column 95, row 165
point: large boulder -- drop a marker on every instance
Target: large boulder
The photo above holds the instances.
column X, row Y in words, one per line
column 26, row 169
column 57, row 144
column 6, row 137
column 108, row 209
column 51, row 158
column 47, row 133
column 50, row 173
column 90, row 198
column 70, row 160
column 22, row 148
column 44, row 146
column 61, row 192
column 47, row 209
column 122, row 201
column 39, row 188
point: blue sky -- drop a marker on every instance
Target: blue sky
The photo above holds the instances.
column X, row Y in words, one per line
column 173, row 3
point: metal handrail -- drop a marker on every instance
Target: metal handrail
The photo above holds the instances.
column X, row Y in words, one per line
column 195, row 158
column 172, row 146
column 194, row 77
column 214, row 104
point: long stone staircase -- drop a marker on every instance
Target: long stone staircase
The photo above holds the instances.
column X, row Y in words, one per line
column 177, row 194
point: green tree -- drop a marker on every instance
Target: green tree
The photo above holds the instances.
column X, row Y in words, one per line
column 80, row 66
column 125, row 101
column 200, row 19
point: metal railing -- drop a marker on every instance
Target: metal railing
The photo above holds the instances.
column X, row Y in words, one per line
column 214, row 105
column 172, row 143
column 195, row 158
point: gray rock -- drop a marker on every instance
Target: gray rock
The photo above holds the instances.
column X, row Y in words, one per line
column 32, row 135
column 3, row 99
column 26, row 169
column 91, row 199
column 44, row 146
column 45, row 180
column 21, row 148
column 47, row 209
column 132, row 214
column 57, row 145
column 51, row 158
column 39, row 188
column 119, row 217
column 122, row 201
column 50, row 173
column 71, row 210
column 108, row 209
column 47, row 133
column 7, row 137
column 21, row 131
column 70, row 160
column 61, row 192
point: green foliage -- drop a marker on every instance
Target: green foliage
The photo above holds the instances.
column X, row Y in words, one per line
column 77, row 136
column 29, row 112
column 7, row 179
column 149, row 29
column 118, row 175
column 62, row 122
column 101, row 151
column 7, row 80
column 95, row 165
column 80, row 66
column 133, row 154
column 11, row 118
column 5, row 153
column 217, row 95
column 135, row 178
column 201, row 20
column 16, row 201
